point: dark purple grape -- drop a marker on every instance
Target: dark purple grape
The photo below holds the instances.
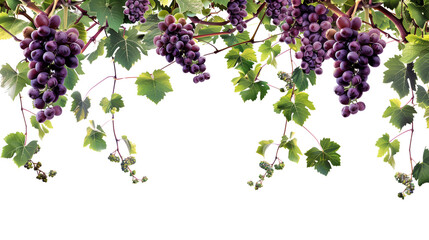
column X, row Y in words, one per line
column 344, row 99
column 39, row 103
column 49, row 113
column 343, row 22
column 356, row 23
column 64, row 51
column 354, row 108
column 61, row 89
column 352, row 93
column 48, row 96
column 41, row 20
column 58, row 110
column 361, row 106
column 52, row 82
column 48, row 57
column 40, row 117
column 33, row 93
column 54, row 22
column 345, row 111
column 72, row 62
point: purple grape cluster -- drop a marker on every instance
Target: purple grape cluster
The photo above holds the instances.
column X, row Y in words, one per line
column 49, row 51
column 353, row 52
column 313, row 22
column 276, row 10
column 177, row 43
column 237, row 12
column 135, row 10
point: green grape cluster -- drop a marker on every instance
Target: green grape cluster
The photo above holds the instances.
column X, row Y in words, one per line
column 286, row 78
column 42, row 176
column 258, row 185
column 113, row 158
column 264, row 165
column 250, row 183
column 406, row 180
column 279, row 166
column 52, row 173
column 127, row 162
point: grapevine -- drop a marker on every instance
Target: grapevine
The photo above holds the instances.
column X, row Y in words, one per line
column 55, row 39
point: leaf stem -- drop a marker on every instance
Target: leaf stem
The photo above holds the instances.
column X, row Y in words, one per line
column 391, row 140
column 23, row 117
column 317, row 140
column 104, row 79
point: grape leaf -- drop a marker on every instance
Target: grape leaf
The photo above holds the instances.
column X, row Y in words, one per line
column 387, row 149
column 125, row 48
column 73, row 74
column 62, row 101
column 194, row 6
column 131, row 146
column 294, row 150
column 202, row 29
column 422, row 97
column 399, row 117
column 94, row 137
column 415, row 47
column 243, row 61
column 248, row 87
column 81, row 29
column 252, row 7
column 153, row 86
column 297, row 110
column 232, row 39
column 16, row 147
column 13, row 25
column 41, row 127
column 263, row 146
column 301, row 79
column 321, row 160
column 14, row 81
column 79, row 107
column 398, row 74
column 267, row 50
column 110, row 11
column 421, row 66
column 13, row 3
column 392, row 4
column 419, row 13
column 114, row 102
column 421, row 169
column 221, row 2
column 98, row 52
column 165, row 2
column 252, row 92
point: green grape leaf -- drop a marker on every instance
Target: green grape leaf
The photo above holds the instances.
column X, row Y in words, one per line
column 62, row 101
column 387, row 149
column 301, row 79
column 421, row 169
column 421, row 66
column 221, row 2
column 415, row 47
column 94, row 137
column 427, row 116
column 13, row 3
column 73, row 74
column 16, row 147
column 13, row 25
column 14, row 81
column 194, row 6
column 154, row 86
column 252, row 7
column 268, row 51
column 202, row 29
column 251, row 93
column 114, row 102
column 79, row 107
column 165, row 2
column 150, row 28
column 232, row 39
column 398, row 74
column 110, row 11
column 131, row 146
column 263, row 146
column 399, row 117
column 419, row 13
column 41, row 127
column 422, row 97
column 321, row 160
column 82, row 30
column 243, row 61
column 392, row 4
column 297, row 110
column 294, row 150
column 98, row 52
column 126, row 49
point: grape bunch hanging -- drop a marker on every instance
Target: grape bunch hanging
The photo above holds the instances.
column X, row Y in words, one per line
column 237, row 12
column 313, row 22
column 177, row 43
column 353, row 53
column 135, row 10
column 276, row 10
column 49, row 52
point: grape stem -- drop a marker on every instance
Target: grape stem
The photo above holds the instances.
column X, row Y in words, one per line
column 93, row 38
column 355, row 8
column 384, row 32
column 333, row 8
column 199, row 21
column 23, row 117
column 396, row 21
column 85, row 13
column 411, row 137
column 317, row 140
column 14, row 37
column 215, row 34
column 104, row 79
column 32, row 6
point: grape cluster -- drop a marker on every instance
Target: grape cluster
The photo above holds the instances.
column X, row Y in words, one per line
column 113, row 158
column 276, row 10
column 135, row 10
column 177, row 43
column 287, row 79
column 49, row 51
column 407, row 181
column 237, row 12
column 313, row 22
column 353, row 52
column 127, row 162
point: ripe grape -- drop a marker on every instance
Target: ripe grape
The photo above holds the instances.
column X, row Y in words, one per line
column 276, row 10
column 237, row 12
column 177, row 44
column 135, row 10
column 353, row 52
column 49, row 51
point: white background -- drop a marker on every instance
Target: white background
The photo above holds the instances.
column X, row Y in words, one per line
column 198, row 149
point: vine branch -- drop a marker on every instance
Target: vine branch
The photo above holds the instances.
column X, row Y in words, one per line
column 23, row 117
column 14, row 37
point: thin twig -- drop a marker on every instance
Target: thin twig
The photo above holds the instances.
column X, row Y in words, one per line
column 13, row 36
column 317, row 140
column 23, row 117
